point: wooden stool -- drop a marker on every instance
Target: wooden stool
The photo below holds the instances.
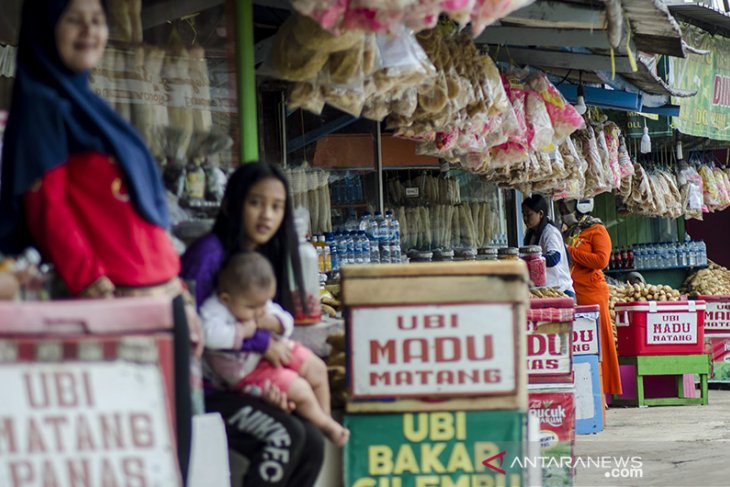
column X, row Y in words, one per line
column 676, row 365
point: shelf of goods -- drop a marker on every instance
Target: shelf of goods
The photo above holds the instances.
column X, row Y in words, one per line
column 435, row 355
column 661, row 338
column 655, row 269
column 551, row 392
column 717, row 336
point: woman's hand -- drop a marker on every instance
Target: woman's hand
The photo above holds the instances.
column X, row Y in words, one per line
column 272, row 395
column 278, row 352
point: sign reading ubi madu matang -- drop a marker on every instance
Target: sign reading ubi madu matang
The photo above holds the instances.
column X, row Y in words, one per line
column 435, row 336
column 437, row 350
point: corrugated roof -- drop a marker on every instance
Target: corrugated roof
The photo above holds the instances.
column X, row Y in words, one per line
column 653, row 28
column 707, row 17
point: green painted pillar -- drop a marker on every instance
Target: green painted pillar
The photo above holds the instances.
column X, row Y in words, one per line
column 246, row 82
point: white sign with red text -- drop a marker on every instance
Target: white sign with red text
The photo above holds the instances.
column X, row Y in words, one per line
column 455, row 349
column 549, row 353
column 100, row 424
column 671, row 328
column 585, row 334
column 717, row 317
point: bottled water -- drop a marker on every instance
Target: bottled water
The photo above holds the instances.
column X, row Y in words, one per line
column 703, row 252
column 387, row 236
column 364, row 246
column 372, row 234
column 357, row 247
column 349, row 248
column 341, row 245
column 332, row 250
column 365, row 222
column 691, row 254
column 380, row 232
column 395, row 249
column 638, row 257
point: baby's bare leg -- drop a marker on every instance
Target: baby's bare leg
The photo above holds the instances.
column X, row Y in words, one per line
column 314, row 371
column 307, row 406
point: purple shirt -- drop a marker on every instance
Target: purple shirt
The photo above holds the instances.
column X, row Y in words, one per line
column 200, row 264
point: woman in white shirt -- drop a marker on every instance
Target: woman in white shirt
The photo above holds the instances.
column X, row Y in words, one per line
column 543, row 232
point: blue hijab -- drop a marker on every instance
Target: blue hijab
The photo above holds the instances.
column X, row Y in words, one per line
column 53, row 115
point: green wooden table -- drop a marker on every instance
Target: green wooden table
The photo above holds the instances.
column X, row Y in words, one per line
column 676, row 365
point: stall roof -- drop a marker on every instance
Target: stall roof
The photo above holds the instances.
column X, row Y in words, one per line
column 570, row 39
column 702, row 15
column 655, row 30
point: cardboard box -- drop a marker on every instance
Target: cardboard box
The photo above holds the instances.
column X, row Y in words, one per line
column 87, row 386
column 660, row 328
column 437, row 448
column 440, row 336
column 588, row 400
column 555, row 408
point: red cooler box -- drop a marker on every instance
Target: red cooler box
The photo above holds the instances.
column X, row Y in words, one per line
column 660, row 328
column 717, row 315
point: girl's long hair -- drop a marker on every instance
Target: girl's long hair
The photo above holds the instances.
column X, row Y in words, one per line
column 283, row 248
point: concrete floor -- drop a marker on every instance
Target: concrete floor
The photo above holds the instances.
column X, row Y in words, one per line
column 669, row 446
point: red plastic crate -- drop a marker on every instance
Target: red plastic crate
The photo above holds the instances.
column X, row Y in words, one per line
column 660, row 328
column 717, row 315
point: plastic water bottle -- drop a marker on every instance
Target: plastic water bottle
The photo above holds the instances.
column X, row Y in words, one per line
column 332, row 249
column 350, row 247
column 638, row 257
column 395, row 250
column 377, row 228
column 357, row 247
column 341, row 246
column 365, row 221
column 702, row 250
column 372, row 234
column 385, row 237
column 310, row 265
column 364, row 246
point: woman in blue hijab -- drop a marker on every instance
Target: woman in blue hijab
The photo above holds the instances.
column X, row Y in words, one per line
column 77, row 179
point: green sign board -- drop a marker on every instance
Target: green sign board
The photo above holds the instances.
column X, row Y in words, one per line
column 707, row 114
column 657, row 128
column 435, row 449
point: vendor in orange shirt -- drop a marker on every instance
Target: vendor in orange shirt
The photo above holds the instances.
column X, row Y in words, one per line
column 589, row 249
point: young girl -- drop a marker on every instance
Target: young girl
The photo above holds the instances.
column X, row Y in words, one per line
column 256, row 214
column 246, row 285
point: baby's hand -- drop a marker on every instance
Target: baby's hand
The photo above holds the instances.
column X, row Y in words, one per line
column 278, row 352
column 246, row 329
column 271, row 323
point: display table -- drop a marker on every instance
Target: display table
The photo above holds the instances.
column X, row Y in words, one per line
column 677, row 365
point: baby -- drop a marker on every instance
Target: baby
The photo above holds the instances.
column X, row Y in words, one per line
column 246, row 286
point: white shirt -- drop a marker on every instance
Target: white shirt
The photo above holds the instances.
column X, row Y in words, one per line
column 223, row 355
column 559, row 275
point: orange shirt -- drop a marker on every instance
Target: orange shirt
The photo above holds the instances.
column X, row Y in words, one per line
column 83, row 221
column 590, row 254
